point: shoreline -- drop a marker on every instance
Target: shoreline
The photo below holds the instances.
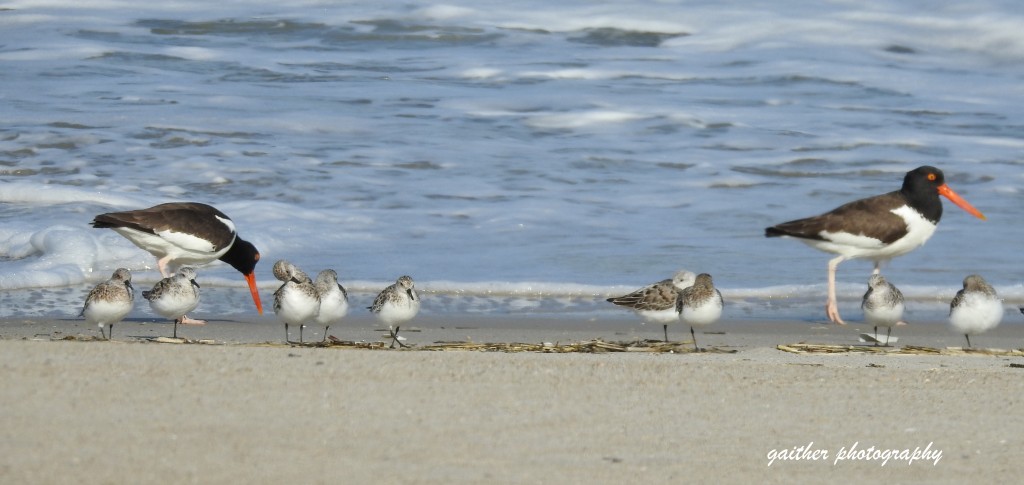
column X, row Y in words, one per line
column 738, row 334
column 132, row 411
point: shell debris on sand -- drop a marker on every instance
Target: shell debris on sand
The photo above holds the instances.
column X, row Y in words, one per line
column 179, row 340
column 589, row 346
column 158, row 340
column 806, row 348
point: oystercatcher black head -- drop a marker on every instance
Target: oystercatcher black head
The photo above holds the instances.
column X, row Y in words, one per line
column 243, row 256
column 921, row 189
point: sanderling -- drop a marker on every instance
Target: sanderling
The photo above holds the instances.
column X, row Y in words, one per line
column 175, row 296
column 700, row 304
column 333, row 299
column 396, row 305
column 656, row 303
column 296, row 301
column 976, row 308
column 109, row 302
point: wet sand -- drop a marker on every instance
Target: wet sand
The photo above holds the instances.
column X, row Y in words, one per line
column 251, row 409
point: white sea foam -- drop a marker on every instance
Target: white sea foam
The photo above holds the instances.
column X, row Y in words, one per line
column 34, row 193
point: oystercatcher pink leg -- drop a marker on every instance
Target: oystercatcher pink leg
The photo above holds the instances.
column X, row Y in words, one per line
column 163, row 264
column 832, row 305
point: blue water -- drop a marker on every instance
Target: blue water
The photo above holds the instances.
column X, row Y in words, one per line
column 512, row 156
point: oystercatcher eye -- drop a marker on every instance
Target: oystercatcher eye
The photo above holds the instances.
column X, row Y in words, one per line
column 931, row 177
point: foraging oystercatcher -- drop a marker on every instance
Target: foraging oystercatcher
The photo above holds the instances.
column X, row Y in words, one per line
column 700, row 304
column 396, row 305
column 878, row 228
column 175, row 296
column 656, row 303
column 109, row 302
column 333, row 299
column 882, row 305
column 976, row 308
column 296, row 302
column 186, row 233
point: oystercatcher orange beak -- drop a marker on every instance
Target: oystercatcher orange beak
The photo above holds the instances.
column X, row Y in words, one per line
column 251, row 279
column 955, row 198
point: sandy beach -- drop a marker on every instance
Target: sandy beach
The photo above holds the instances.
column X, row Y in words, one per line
column 250, row 409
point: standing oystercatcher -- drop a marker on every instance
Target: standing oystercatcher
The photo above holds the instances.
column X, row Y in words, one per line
column 186, row 233
column 878, row 228
column 656, row 303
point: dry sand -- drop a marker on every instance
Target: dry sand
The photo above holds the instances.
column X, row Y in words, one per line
column 131, row 411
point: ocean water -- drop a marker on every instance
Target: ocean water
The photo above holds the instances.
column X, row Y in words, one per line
column 511, row 156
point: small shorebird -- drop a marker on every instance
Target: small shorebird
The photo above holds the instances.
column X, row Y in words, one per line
column 109, row 302
column 976, row 308
column 700, row 304
column 179, row 233
column 333, row 299
column 396, row 305
column 296, row 302
column 882, row 305
column 656, row 303
column 175, row 296
column 877, row 228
